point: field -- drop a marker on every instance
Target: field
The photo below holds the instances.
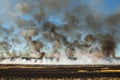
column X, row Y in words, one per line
column 61, row 72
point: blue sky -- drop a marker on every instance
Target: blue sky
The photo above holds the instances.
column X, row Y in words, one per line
column 102, row 6
column 111, row 5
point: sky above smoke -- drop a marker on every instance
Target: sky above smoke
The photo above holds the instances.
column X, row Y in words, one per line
column 70, row 19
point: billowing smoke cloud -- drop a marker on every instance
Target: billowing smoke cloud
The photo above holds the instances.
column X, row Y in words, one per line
column 0, row 21
column 24, row 7
column 114, row 19
column 24, row 23
column 55, row 4
column 58, row 29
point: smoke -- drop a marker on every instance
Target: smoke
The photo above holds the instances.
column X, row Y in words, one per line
column 93, row 23
column 0, row 21
column 24, row 7
column 54, row 5
column 24, row 23
column 114, row 19
column 82, row 33
column 108, row 46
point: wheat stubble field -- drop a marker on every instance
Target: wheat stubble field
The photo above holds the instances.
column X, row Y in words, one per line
column 59, row 72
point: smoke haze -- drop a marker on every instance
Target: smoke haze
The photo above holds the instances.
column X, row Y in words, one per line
column 62, row 29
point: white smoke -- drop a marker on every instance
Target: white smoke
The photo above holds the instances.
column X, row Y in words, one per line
column 34, row 21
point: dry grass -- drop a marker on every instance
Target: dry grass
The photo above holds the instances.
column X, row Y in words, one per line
column 102, row 78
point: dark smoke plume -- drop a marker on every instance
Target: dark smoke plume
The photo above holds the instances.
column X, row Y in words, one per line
column 108, row 46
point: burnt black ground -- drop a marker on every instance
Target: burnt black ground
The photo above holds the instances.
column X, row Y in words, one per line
column 59, row 71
